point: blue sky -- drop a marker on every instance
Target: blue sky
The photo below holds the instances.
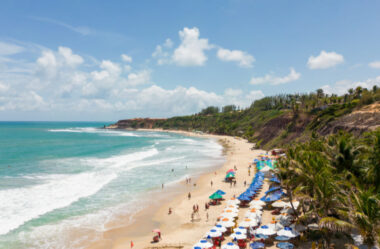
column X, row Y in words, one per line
column 63, row 60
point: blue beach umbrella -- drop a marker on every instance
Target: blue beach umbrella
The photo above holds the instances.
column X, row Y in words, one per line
column 261, row 236
column 257, row 245
column 285, row 245
column 282, row 238
column 244, row 197
column 272, row 189
column 196, row 247
column 220, row 192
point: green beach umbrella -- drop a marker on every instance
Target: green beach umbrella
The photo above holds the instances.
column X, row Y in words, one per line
column 215, row 196
column 229, row 175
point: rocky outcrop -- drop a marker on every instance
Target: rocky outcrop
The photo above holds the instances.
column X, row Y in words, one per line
column 136, row 123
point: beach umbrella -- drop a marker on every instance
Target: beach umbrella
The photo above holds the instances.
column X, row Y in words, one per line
column 287, row 210
column 227, row 223
column 249, row 223
column 213, row 233
column 229, row 215
column 295, row 204
column 272, row 189
column 230, row 170
column 243, row 197
column 275, row 226
column 231, row 210
column 197, row 247
column 220, row 228
column 230, row 245
column 261, row 236
column 265, row 230
column 274, row 179
column 233, row 201
column 156, row 230
column 288, row 232
column 253, row 216
column 285, row 245
column 266, row 168
column 298, row 227
column 238, row 235
column 257, row 202
column 279, row 204
column 220, row 192
column 240, row 229
column 281, row 238
column 257, row 245
column 230, row 175
column 215, row 196
column 204, row 244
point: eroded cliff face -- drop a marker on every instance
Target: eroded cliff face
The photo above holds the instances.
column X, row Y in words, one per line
column 359, row 121
column 136, row 123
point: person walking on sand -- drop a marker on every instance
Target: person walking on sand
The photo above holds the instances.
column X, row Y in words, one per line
column 162, row 186
column 207, row 216
column 245, row 183
column 189, row 196
column 211, row 183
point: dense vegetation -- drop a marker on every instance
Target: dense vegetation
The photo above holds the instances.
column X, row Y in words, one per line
column 337, row 181
column 292, row 116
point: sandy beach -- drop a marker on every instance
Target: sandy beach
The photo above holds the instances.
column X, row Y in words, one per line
column 178, row 231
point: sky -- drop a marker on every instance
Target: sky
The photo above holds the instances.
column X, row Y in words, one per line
column 109, row 60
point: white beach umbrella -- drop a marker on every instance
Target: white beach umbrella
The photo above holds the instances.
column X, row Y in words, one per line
column 295, row 204
column 257, row 202
column 279, row 204
column 204, row 244
column 229, row 210
column 233, row 201
column 256, row 211
column 241, row 229
column 284, row 219
column 213, row 233
column 288, row 232
column 227, row 223
column 238, row 235
column 220, row 228
column 230, row 245
column 287, row 210
column 275, row 226
column 229, row 215
column 265, row 230
column 249, row 223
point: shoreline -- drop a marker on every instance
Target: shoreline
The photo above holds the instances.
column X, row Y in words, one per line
column 177, row 228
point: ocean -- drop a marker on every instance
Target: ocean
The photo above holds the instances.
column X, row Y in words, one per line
column 59, row 180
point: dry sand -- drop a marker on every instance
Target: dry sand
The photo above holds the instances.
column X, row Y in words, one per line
column 178, row 229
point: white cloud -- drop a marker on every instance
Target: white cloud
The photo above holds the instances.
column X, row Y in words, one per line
column 9, row 49
column 3, row 87
column 341, row 87
column 191, row 51
column 70, row 59
column 273, row 80
column 242, row 58
column 168, row 43
column 375, row 64
column 138, row 78
column 325, row 60
column 126, row 58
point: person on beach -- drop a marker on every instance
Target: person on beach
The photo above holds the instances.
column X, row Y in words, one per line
column 162, row 186
column 170, row 211
column 245, row 183
column 189, row 196
column 230, row 184
column 207, row 216
column 235, row 183
column 211, row 183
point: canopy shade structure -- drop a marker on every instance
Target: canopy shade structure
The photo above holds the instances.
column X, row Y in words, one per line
column 215, row 196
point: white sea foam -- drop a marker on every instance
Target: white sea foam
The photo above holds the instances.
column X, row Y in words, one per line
column 96, row 130
column 23, row 204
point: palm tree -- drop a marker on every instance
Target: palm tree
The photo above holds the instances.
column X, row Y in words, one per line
column 366, row 215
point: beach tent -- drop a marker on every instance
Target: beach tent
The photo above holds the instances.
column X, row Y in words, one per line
column 215, row 196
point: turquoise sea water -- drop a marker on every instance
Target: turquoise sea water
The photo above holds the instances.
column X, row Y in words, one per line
column 60, row 179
